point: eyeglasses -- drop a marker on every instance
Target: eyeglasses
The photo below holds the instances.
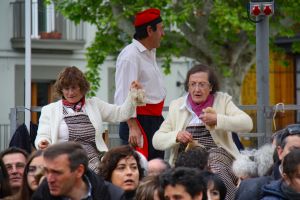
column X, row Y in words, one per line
column 34, row 169
column 292, row 129
column 18, row 166
column 201, row 85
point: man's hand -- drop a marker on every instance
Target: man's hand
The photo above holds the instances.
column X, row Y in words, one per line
column 184, row 137
column 135, row 134
column 135, row 85
column 43, row 144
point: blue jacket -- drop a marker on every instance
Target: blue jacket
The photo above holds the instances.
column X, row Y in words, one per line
column 273, row 191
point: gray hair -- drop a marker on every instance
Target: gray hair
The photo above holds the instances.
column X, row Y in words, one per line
column 254, row 163
column 244, row 166
column 264, row 159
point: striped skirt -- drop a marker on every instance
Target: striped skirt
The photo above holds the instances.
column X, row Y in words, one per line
column 220, row 161
column 81, row 130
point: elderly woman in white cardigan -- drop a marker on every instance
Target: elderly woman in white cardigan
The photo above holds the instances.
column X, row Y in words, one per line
column 204, row 117
column 76, row 118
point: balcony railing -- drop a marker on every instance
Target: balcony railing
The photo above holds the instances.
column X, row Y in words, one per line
column 4, row 136
column 47, row 26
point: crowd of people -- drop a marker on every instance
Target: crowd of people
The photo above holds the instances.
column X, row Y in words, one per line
column 61, row 171
column 72, row 161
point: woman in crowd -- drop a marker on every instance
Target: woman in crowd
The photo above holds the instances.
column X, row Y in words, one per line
column 207, row 117
column 77, row 118
column 121, row 166
column 4, row 181
column 33, row 174
column 216, row 189
column 288, row 187
column 149, row 189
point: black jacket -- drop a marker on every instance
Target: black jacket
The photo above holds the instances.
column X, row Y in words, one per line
column 251, row 189
column 23, row 139
column 101, row 190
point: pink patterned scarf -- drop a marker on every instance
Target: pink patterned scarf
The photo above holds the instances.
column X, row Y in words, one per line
column 75, row 106
column 197, row 108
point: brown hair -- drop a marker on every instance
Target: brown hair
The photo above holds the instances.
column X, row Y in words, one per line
column 291, row 162
column 147, row 188
column 75, row 152
column 71, row 76
column 113, row 156
column 25, row 192
column 5, row 189
column 212, row 77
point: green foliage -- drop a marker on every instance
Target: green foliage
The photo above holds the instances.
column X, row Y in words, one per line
column 214, row 32
column 296, row 47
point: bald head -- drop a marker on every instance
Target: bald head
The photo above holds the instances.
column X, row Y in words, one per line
column 157, row 166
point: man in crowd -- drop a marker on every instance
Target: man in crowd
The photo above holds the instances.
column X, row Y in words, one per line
column 14, row 160
column 289, row 138
column 183, row 183
column 156, row 166
column 68, row 176
column 137, row 61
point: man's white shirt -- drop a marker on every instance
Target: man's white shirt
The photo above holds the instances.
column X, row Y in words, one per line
column 135, row 62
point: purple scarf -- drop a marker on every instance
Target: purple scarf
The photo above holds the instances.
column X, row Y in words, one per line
column 197, row 108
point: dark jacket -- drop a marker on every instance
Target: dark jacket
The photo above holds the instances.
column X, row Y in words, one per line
column 23, row 139
column 276, row 172
column 250, row 189
column 273, row 191
column 101, row 190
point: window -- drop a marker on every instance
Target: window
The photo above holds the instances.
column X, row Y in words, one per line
column 43, row 18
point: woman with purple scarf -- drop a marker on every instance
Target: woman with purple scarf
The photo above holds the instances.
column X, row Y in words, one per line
column 207, row 118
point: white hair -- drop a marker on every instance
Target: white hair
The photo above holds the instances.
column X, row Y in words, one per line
column 264, row 159
column 253, row 163
column 244, row 167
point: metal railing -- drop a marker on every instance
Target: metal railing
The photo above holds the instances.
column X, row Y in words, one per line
column 4, row 136
column 43, row 22
column 16, row 119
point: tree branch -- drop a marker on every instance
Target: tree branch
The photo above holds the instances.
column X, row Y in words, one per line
column 238, row 48
column 123, row 24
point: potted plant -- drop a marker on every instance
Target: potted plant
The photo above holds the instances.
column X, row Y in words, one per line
column 44, row 35
column 54, row 35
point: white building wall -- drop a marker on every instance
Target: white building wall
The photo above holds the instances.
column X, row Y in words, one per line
column 6, row 24
column 46, row 67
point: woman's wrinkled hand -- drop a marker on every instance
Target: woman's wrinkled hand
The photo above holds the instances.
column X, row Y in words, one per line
column 184, row 137
column 137, row 93
column 209, row 117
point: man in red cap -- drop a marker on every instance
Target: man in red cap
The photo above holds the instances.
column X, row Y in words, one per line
column 137, row 61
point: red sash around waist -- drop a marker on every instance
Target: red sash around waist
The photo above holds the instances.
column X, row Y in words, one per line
column 151, row 109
